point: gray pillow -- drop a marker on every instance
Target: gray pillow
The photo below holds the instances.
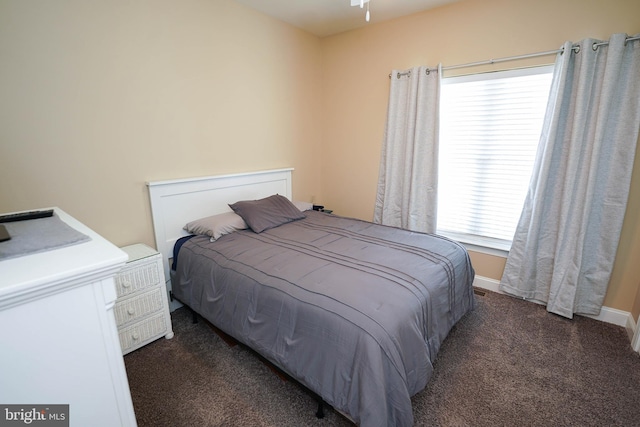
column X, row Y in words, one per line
column 267, row 213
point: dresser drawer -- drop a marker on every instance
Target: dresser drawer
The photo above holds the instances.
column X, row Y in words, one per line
column 141, row 276
column 137, row 307
column 143, row 332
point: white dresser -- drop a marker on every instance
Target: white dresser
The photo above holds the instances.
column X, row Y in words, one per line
column 142, row 309
column 58, row 337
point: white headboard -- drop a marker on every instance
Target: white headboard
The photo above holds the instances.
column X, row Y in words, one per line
column 175, row 203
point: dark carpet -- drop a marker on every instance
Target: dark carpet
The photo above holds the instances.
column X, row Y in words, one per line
column 507, row 363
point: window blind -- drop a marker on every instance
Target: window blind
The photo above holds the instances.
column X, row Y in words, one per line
column 490, row 125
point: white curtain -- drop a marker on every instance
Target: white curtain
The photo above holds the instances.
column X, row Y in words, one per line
column 565, row 243
column 408, row 175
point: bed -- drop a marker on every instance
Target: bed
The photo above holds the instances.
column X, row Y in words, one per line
column 354, row 311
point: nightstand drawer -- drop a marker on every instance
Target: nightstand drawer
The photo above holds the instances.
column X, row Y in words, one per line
column 134, row 279
column 137, row 307
column 140, row 333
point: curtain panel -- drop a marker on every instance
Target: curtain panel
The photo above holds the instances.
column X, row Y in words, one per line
column 567, row 237
column 407, row 182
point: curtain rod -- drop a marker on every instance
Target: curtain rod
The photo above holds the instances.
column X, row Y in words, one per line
column 628, row 39
column 498, row 60
column 486, row 62
column 576, row 48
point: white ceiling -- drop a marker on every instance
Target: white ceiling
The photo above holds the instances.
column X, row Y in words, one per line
column 327, row 17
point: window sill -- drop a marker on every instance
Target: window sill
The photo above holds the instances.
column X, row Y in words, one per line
column 478, row 244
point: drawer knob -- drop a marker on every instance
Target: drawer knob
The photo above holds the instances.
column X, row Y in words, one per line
column 126, row 283
column 135, row 336
column 131, row 311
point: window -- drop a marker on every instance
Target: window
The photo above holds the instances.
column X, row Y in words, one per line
column 490, row 125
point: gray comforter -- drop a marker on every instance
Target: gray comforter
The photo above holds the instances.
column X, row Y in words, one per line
column 353, row 310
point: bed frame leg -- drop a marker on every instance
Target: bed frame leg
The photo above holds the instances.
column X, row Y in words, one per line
column 320, row 411
column 194, row 316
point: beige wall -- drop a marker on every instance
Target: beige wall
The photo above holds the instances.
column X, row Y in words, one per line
column 97, row 98
column 355, row 84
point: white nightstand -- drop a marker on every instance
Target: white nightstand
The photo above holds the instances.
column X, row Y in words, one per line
column 142, row 309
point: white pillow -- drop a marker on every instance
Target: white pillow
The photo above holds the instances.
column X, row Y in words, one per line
column 217, row 225
column 303, row 206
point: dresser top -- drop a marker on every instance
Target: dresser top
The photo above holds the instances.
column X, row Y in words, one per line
column 52, row 271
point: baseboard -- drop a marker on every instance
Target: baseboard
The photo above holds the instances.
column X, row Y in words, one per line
column 635, row 343
column 487, row 283
column 607, row 314
column 634, row 333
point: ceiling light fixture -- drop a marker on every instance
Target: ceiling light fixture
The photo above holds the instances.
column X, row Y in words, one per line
column 361, row 3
